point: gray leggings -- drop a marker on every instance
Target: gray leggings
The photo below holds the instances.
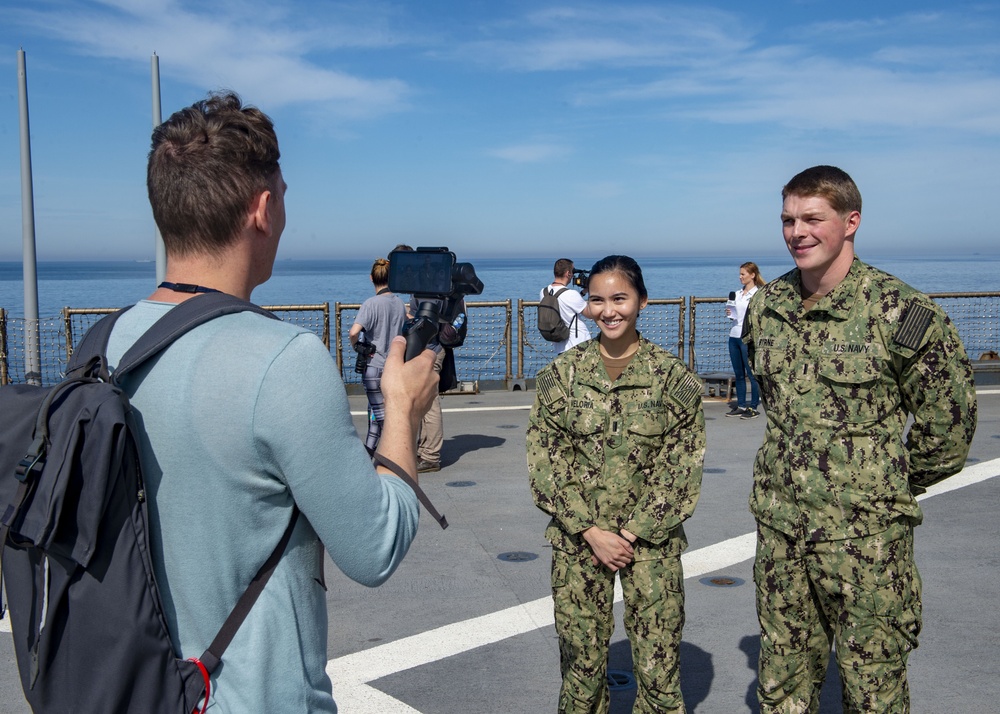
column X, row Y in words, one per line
column 376, row 406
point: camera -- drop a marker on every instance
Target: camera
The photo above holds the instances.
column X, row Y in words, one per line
column 438, row 283
column 581, row 278
column 366, row 351
column 432, row 273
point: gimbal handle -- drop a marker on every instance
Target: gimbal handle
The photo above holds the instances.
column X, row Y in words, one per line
column 420, row 330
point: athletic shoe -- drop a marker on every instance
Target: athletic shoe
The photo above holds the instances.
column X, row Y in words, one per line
column 736, row 411
column 427, row 466
column 750, row 413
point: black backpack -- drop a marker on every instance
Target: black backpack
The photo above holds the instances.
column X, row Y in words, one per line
column 86, row 616
column 550, row 322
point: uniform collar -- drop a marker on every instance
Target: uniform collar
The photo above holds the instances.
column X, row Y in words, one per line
column 838, row 303
column 590, row 368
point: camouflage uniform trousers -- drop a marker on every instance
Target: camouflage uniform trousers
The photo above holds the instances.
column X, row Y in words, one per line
column 584, row 616
column 860, row 594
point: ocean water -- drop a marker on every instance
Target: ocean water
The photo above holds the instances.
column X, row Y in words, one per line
column 89, row 284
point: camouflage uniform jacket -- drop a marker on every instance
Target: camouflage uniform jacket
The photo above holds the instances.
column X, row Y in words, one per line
column 838, row 383
column 623, row 454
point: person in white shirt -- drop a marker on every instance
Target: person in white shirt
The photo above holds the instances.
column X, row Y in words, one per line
column 572, row 306
column 751, row 280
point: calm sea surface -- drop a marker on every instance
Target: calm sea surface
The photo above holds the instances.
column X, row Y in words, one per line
column 118, row 283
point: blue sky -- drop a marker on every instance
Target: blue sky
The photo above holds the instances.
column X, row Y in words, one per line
column 520, row 128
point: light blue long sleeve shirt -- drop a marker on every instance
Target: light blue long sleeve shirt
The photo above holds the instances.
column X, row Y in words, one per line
column 241, row 418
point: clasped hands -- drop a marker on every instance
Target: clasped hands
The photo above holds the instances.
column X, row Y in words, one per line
column 613, row 550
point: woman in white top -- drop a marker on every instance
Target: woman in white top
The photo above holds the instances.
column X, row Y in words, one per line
column 751, row 280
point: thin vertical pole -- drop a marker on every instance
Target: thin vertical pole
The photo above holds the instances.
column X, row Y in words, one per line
column 32, row 343
column 161, row 251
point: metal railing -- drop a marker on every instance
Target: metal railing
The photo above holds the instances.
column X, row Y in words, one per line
column 484, row 357
column 977, row 318
column 60, row 335
column 695, row 328
column 661, row 322
column 4, row 359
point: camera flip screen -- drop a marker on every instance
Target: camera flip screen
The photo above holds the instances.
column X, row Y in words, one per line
column 421, row 273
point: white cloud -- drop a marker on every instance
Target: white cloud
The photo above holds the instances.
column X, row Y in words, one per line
column 591, row 36
column 255, row 48
column 922, row 71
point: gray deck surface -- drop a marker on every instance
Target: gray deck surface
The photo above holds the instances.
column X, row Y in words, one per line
column 457, row 630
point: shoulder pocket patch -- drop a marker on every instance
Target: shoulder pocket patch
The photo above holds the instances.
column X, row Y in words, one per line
column 688, row 391
column 549, row 389
column 911, row 330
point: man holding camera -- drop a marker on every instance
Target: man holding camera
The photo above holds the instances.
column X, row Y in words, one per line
column 430, row 438
column 451, row 334
column 246, row 425
column 572, row 305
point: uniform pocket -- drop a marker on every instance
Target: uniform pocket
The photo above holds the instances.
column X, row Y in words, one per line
column 888, row 616
column 560, row 572
column 648, row 427
column 769, row 365
column 855, row 393
column 770, row 361
column 586, row 428
column 672, row 547
column 585, row 423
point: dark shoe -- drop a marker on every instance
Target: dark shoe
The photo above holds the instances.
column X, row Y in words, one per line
column 428, row 466
column 750, row 413
column 736, row 411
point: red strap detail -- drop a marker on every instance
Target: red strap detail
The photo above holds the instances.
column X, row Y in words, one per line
column 208, row 684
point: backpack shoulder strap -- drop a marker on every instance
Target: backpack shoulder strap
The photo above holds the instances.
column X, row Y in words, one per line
column 179, row 320
column 94, row 342
column 213, row 655
column 185, row 316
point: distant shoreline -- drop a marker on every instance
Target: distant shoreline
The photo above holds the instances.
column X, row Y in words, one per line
column 581, row 259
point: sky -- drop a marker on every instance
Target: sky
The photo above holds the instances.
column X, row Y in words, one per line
column 520, row 128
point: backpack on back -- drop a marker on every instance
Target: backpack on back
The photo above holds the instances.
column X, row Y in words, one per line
column 550, row 322
column 87, row 620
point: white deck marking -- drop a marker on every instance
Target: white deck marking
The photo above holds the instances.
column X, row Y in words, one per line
column 455, row 410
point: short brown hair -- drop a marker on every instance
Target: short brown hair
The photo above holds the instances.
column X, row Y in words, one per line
column 827, row 182
column 562, row 266
column 207, row 165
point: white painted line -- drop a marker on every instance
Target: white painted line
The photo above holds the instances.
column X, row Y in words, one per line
column 352, row 673
column 525, row 407
column 456, row 410
column 968, row 476
column 719, row 555
column 433, row 645
column 518, row 407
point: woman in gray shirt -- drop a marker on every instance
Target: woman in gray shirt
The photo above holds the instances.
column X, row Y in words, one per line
column 380, row 319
